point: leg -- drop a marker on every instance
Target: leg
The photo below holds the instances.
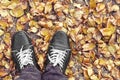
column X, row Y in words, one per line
column 30, row 73
column 57, row 58
column 53, row 73
column 23, row 56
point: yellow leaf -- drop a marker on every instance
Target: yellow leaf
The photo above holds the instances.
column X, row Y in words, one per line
column 100, row 6
column 41, row 7
column 3, row 24
column 109, row 30
column 71, row 63
column 2, row 47
column 94, row 77
column 102, row 61
column 88, row 46
column 33, row 29
column 48, row 8
column 9, row 77
column 1, row 32
column 90, row 71
column 5, row 2
column 17, row 12
column 92, row 4
column 115, row 8
column 7, row 38
column 112, row 49
column 4, row 13
column 45, row 32
column 19, row 26
column 41, row 59
column 117, row 62
column 33, row 23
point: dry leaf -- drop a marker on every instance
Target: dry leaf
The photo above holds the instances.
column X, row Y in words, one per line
column 88, row 46
column 3, row 24
column 100, row 6
column 118, row 1
column 9, row 77
column 78, row 14
column 90, row 71
column 45, row 32
column 115, row 8
column 4, row 13
column 109, row 30
column 19, row 26
column 92, row 4
column 1, row 56
column 99, row 0
column 102, row 61
column 33, row 29
column 117, row 62
column 7, row 38
column 1, row 32
column 112, row 49
column 41, row 7
column 48, row 8
column 17, row 12
column 71, row 64
column 71, row 78
column 115, row 73
column 94, row 77
column 41, row 60
column 2, row 73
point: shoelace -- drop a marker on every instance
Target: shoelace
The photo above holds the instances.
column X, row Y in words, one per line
column 24, row 57
column 57, row 57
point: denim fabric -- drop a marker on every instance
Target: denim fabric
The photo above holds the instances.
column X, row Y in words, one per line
column 30, row 73
column 50, row 73
column 53, row 73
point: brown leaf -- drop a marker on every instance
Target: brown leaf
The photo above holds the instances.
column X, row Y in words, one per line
column 118, row 1
column 2, row 73
column 92, row 4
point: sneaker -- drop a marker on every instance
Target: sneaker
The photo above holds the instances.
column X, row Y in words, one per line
column 22, row 51
column 59, row 51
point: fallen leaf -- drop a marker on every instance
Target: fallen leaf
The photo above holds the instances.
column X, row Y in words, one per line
column 17, row 12
column 92, row 4
column 109, row 30
column 2, row 73
column 94, row 77
column 115, row 8
column 1, row 32
column 88, row 46
column 100, row 6
column 48, row 8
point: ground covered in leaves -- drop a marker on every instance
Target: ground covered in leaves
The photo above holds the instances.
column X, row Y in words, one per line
column 93, row 27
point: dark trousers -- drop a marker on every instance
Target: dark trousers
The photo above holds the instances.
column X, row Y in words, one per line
column 50, row 73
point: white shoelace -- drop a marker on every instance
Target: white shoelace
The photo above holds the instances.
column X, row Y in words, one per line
column 24, row 57
column 57, row 57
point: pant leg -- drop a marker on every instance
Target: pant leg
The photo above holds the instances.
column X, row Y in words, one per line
column 30, row 73
column 53, row 73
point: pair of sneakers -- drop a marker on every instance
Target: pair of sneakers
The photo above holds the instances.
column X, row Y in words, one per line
column 23, row 53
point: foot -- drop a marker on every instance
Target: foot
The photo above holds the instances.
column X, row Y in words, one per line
column 22, row 51
column 59, row 51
